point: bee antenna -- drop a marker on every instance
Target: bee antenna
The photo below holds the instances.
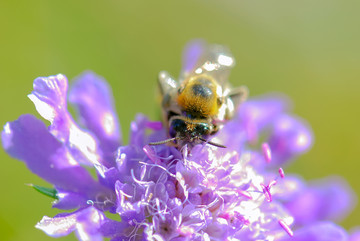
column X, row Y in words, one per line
column 212, row 143
column 163, row 142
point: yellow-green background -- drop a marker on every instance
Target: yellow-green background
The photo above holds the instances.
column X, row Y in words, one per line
column 307, row 49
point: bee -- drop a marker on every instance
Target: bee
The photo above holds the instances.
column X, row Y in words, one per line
column 197, row 105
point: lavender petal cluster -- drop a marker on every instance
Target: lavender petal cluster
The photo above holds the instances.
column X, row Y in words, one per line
column 144, row 192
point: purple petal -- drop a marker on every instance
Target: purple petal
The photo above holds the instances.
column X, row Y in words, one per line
column 28, row 139
column 49, row 97
column 69, row 200
column 323, row 231
column 86, row 223
column 128, row 204
column 258, row 113
column 117, row 230
column 289, row 188
column 127, row 160
column 94, row 100
column 253, row 117
column 139, row 126
column 355, row 234
column 290, row 137
column 167, row 227
column 108, row 176
column 327, row 199
column 137, row 134
column 218, row 230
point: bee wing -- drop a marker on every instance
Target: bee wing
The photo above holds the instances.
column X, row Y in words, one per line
column 168, row 89
column 166, row 83
column 202, row 58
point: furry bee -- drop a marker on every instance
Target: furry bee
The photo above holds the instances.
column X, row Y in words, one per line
column 196, row 106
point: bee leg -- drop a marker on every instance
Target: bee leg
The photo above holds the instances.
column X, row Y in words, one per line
column 235, row 97
column 161, row 142
column 170, row 140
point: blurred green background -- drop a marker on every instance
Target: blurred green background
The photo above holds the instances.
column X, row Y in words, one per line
column 306, row 49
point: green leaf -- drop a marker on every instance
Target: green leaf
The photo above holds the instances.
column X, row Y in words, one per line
column 50, row 192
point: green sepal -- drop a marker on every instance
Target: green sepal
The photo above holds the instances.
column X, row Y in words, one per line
column 50, row 192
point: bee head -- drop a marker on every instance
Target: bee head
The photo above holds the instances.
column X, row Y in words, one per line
column 189, row 129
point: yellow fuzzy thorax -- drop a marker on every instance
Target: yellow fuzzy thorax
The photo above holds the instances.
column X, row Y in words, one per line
column 198, row 97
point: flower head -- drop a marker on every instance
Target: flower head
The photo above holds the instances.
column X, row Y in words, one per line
column 164, row 193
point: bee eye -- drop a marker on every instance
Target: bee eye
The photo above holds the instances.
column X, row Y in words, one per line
column 177, row 125
column 202, row 129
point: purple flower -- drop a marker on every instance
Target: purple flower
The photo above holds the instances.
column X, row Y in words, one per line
column 162, row 193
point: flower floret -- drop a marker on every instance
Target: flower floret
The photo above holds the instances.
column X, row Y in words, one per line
column 168, row 193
